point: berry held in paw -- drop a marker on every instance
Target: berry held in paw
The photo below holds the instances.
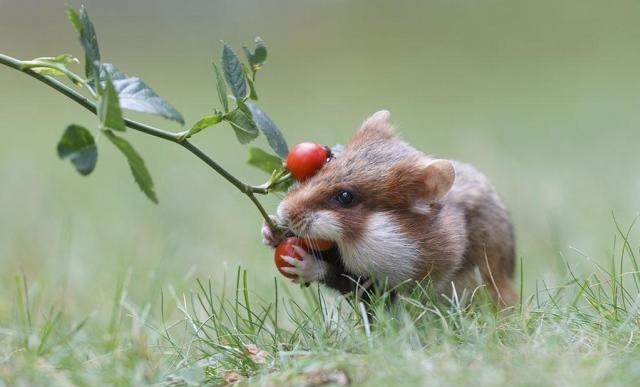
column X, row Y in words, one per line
column 286, row 248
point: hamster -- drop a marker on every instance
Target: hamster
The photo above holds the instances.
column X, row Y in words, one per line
column 398, row 216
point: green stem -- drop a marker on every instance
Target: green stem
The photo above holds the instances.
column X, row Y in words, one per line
column 83, row 101
column 247, row 189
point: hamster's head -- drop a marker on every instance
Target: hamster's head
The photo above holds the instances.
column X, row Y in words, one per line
column 376, row 174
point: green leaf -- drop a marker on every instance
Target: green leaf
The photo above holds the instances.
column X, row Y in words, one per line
column 53, row 66
column 233, row 73
column 109, row 112
column 50, row 71
column 282, row 185
column 74, row 18
column 260, row 53
column 242, row 124
column 264, row 161
column 88, row 40
column 280, row 181
column 274, row 135
column 258, row 56
column 252, row 88
column 137, row 96
column 136, row 163
column 245, row 109
column 222, row 88
column 202, row 124
column 78, row 145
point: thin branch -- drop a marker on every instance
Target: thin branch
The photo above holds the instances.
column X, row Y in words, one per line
column 85, row 102
column 82, row 100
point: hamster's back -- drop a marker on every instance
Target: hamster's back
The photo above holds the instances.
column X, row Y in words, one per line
column 491, row 246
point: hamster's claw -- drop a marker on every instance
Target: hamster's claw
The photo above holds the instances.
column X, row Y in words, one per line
column 307, row 269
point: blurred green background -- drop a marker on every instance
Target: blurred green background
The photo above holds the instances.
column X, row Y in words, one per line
column 543, row 96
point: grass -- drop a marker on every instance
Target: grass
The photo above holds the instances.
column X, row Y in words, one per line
column 51, row 347
column 581, row 333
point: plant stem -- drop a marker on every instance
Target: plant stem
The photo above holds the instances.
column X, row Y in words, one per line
column 83, row 101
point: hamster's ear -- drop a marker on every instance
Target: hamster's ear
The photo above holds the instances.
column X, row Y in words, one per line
column 437, row 177
column 374, row 128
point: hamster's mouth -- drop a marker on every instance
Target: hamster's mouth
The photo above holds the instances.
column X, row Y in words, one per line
column 319, row 244
column 316, row 225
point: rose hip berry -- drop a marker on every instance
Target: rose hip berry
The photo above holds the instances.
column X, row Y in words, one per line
column 305, row 159
column 319, row 244
column 286, row 248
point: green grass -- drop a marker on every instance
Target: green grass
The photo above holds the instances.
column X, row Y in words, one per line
column 581, row 333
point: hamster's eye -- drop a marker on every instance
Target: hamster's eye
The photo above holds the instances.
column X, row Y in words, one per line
column 345, row 199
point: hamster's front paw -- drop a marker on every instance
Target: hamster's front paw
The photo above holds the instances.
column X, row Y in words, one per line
column 308, row 268
column 269, row 236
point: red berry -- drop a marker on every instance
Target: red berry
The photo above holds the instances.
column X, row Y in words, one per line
column 319, row 244
column 305, row 159
column 286, row 248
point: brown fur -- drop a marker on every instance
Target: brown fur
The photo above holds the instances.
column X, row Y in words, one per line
column 449, row 224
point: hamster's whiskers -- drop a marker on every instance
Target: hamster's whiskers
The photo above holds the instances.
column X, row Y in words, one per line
column 299, row 226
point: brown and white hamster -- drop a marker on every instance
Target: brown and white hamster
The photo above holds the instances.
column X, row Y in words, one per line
column 399, row 216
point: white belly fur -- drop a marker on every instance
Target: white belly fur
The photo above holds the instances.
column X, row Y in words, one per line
column 382, row 250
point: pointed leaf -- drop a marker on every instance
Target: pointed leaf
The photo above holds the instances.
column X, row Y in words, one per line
column 233, row 73
column 53, row 66
column 258, row 56
column 274, row 135
column 74, row 18
column 222, row 88
column 252, row 87
column 264, row 161
column 109, row 112
column 202, row 124
column 280, row 181
column 48, row 71
column 64, row 59
column 243, row 125
column 136, row 163
column 137, row 96
column 260, row 53
column 88, row 40
column 78, row 145
column 282, row 185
